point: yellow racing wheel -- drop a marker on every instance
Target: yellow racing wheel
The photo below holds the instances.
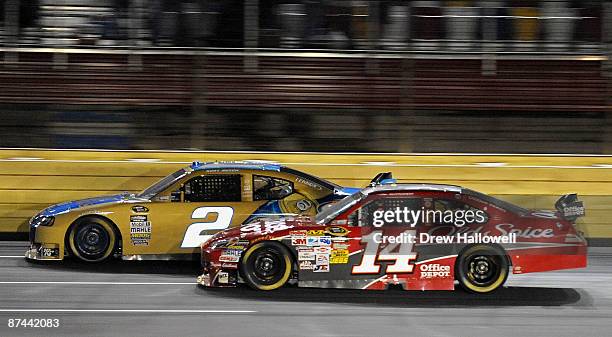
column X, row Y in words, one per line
column 92, row 239
column 266, row 265
column 482, row 268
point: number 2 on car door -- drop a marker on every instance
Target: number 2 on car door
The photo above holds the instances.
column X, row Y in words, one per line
column 194, row 237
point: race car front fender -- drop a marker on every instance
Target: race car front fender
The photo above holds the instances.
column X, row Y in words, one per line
column 47, row 244
column 218, row 278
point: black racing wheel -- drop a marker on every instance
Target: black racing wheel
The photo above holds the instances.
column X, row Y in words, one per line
column 92, row 239
column 266, row 265
column 482, row 268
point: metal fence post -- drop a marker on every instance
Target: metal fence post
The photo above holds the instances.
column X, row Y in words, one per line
column 135, row 33
column 489, row 38
column 251, row 34
column 607, row 72
column 11, row 24
column 372, row 64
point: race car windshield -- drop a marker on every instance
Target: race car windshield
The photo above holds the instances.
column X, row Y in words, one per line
column 329, row 213
column 497, row 202
column 161, row 185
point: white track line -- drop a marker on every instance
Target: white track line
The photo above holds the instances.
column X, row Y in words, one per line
column 160, row 311
column 12, row 257
column 98, row 283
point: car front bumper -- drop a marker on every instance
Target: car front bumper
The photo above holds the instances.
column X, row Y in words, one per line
column 43, row 252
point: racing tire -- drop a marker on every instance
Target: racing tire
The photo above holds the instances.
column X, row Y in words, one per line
column 92, row 239
column 266, row 266
column 482, row 269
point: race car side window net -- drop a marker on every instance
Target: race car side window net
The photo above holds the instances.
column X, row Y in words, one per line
column 214, row 188
column 269, row 188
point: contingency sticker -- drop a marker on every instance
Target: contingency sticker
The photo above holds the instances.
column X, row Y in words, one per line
column 140, row 230
column 339, row 256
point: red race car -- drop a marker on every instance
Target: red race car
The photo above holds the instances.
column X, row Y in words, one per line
column 419, row 236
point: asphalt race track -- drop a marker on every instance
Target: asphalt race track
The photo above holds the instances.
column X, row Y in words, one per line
column 161, row 299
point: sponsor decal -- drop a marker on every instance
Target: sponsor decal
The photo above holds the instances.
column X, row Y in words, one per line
column 140, row 230
column 325, row 241
column 434, row 270
column 309, row 183
column 300, row 233
column 322, row 250
column 574, row 210
column 323, row 268
column 223, row 277
column 230, row 255
column 240, row 247
column 229, row 265
column 321, row 259
column 337, row 245
column 268, row 227
column 235, row 243
column 298, row 241
column 503, row 229
column 304, row 255
column 263, row 238
column 313, row 241
column 336, row 231
column 45, row 252
column 204, row 280
column 339, row 256
column 140, row 209
column 306, row 265
column 315, row 232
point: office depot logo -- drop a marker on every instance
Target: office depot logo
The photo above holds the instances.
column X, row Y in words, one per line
column 434, row 270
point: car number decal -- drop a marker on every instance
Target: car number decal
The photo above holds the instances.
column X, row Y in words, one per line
column 194, row 237
column 371, row 255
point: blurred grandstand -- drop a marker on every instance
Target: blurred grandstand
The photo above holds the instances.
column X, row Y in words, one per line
column 312, row 75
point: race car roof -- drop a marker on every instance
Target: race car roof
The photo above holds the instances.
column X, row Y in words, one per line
column 411, row 187
column 245, row 165
column 197, row 166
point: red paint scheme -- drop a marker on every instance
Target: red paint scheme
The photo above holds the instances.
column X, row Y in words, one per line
column 545, row 242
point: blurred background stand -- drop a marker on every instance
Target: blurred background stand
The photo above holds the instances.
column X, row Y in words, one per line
column 559, row 24
column 293, row 24
column 428, row 25
column 397, row 29
column 461, row 25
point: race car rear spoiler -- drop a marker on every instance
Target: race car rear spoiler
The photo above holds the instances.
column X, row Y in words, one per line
column 570, row 207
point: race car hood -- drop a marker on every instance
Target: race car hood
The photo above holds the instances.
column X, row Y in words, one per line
column 68, row 206
column 265, row 226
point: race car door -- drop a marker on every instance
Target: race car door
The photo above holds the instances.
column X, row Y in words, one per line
column 379, row 245
column 194, row 209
